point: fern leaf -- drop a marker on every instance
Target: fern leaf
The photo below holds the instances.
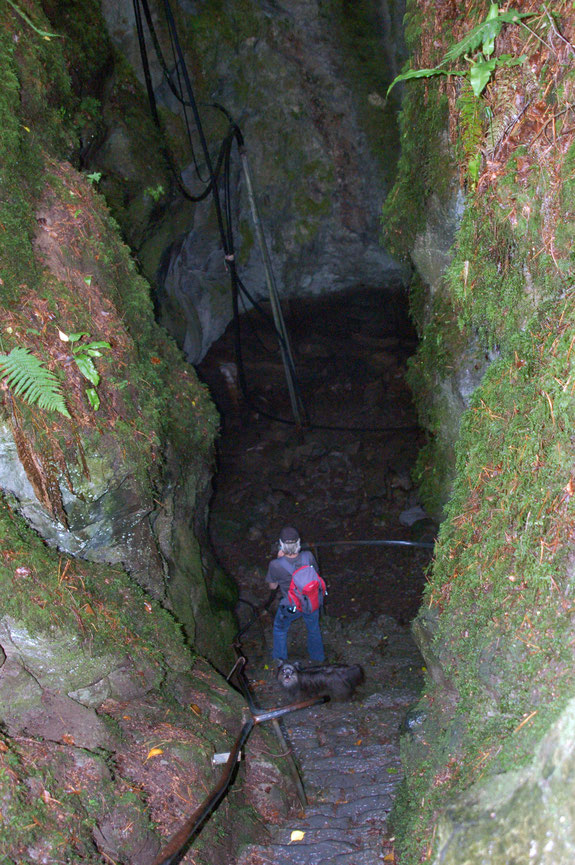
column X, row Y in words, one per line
column 423, row 73
column 484, row 34
column 30, row 379
column 87, row 368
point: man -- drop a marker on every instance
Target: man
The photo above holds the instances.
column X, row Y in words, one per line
column 279, row 573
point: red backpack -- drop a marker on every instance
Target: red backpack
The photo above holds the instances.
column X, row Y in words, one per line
column 307, row 589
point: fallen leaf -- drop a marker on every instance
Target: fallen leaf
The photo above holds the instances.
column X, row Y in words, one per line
column 195, row 709
column 297, row 835
column 153, row 752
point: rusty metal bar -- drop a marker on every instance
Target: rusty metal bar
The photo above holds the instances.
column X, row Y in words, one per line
column 179, row 843
column 177, row 846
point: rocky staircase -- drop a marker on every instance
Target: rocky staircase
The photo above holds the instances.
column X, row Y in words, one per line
column 348, row 753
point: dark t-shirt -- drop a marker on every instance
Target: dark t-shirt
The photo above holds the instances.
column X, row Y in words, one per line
column 281, row 569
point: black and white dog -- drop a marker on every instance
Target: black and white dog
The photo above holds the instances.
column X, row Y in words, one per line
column 337, row 681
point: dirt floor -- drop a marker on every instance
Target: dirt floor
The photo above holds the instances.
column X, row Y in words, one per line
column 344, row 475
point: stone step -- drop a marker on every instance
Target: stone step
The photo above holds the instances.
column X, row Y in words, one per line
column 348, row 755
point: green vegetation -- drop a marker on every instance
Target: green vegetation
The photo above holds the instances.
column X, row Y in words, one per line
column 481, row 40
column 29, row 378
column 47, row 593
column 493, row 377
column 420, row 171
column 64, row 268
column 501, row 575
column 83, row 355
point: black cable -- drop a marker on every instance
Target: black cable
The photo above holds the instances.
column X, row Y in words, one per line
column 145, row 62
column 224, row 221
column 190, row 93
column 178, row 93
column 153, row 105
column 224, row 217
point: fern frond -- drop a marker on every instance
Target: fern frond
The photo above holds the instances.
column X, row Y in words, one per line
column 30, row 379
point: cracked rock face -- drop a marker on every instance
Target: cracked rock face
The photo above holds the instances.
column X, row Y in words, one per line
column 50, row 688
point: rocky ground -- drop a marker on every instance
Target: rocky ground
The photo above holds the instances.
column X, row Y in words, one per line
column 345, row 477
column 347, row 753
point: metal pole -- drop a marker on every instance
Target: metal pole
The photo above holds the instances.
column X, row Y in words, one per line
column 274, row 299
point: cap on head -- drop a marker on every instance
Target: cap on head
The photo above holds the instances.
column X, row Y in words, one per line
column 289, row 535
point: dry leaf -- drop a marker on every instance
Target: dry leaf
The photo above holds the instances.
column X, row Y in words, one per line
column 297, row 835
column 153, row 752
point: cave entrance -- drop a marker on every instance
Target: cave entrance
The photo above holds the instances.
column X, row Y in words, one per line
column 346, row 477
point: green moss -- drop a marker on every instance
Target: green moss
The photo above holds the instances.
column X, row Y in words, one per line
column 47, row 594
column 86, row 45
column 29, row 824
column 19, row 179
column 421, row 167
column 501, row 580
column 501, row 576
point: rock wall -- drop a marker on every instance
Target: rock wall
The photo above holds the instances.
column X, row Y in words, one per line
column 306, row 82
column 482, row 207
column 109, row 716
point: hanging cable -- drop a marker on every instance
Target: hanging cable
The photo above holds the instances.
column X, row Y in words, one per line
column 153, row 105
column 185, row 96
column 184, row 93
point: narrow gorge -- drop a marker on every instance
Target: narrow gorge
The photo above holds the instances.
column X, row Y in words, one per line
column 286, row 262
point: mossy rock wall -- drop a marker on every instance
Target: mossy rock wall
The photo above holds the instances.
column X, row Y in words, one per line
column 496, row 321
column 108, row 592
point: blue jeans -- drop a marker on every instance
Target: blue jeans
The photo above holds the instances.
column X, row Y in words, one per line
column 282, row 623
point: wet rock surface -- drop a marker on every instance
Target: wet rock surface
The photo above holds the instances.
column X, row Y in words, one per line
column 347, row 752
column 345, row 482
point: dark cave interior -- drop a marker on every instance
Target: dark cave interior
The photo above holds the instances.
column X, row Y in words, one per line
column 344, row 477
